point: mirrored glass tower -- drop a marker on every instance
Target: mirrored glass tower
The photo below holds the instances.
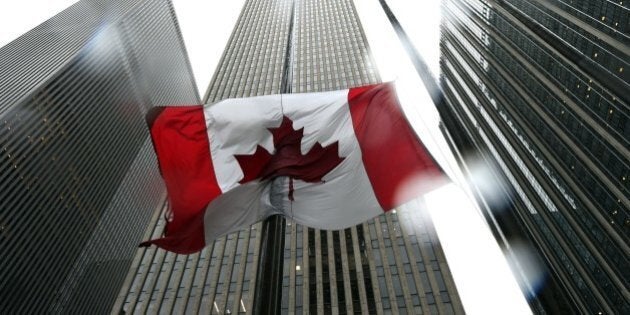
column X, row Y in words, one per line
column 78, row 176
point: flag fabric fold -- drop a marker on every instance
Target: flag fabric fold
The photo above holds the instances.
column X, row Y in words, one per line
column 327, row 160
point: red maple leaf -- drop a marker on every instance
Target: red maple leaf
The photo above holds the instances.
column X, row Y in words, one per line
column 288, row 160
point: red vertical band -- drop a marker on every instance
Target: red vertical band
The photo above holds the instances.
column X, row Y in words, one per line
column 393, row 156
column 180, row 139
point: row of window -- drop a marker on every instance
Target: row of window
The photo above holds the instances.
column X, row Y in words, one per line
column 610, row 17
column 581, row 40
column 582, row 135
column 589, row 95
column 616, row 166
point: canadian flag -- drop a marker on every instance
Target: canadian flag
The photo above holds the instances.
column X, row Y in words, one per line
column 327, row 160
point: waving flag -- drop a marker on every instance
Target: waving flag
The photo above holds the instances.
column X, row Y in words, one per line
column 327, row 160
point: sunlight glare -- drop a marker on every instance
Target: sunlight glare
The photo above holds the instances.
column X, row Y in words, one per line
column 490, row 287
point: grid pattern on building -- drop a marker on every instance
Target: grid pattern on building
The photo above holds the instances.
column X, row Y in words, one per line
column 542, row 87
column 382, row 266
column 78, row 176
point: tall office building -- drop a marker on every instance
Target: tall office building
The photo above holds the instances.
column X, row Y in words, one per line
column 78, row 176
column 539, row 90
column 392, row 264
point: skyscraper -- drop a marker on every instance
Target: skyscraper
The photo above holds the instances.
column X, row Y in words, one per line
column 78, row 177
column 539, row 91
column 390, row 264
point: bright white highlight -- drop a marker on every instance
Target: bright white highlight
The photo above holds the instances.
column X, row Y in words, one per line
column 421, row 20
column 488, row 183
column 522, row 259
column 483, row 277
column 243, row 306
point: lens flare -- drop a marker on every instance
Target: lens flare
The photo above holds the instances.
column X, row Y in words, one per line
column 484, row 178
column 528, row 270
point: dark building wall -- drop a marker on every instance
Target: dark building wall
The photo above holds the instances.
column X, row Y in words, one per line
column 78, row 176
column 391, row 264
column 539, row 88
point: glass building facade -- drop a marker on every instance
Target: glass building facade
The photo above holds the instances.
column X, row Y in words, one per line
column 539, row 91
column 392, row 264
column 78, row 176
